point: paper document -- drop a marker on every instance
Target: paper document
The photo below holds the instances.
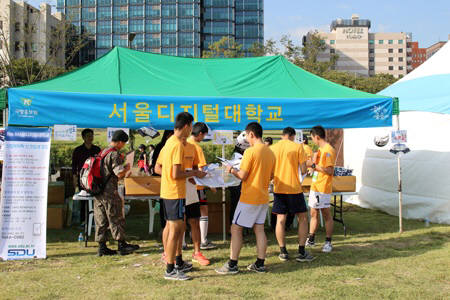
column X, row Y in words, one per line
column 235, row 160
column 214, row 179
column 191, row 193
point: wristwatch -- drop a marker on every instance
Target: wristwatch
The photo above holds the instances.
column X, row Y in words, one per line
column 313, row 166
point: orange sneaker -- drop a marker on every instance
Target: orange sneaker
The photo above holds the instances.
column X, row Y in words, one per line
column 199, row 258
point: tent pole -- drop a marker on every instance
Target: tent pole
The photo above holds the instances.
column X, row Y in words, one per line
column 223, row 198
column 399, row 172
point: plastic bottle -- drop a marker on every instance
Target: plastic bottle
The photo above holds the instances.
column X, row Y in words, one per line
column 80, row 239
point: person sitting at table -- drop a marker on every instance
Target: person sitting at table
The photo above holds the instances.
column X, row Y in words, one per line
column 79, row 156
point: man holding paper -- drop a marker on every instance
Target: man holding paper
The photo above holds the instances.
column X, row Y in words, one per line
column 256, row 171
column 288, row 195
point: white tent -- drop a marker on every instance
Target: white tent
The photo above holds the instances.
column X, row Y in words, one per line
column 424, row 96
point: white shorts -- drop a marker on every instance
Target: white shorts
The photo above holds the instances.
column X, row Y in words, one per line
column 247, row 215
column 318, row 200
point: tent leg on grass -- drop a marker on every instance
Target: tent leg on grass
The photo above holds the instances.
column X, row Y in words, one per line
column 399, row 171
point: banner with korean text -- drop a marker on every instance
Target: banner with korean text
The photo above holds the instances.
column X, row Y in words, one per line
column 23, row 206
column 42, row 108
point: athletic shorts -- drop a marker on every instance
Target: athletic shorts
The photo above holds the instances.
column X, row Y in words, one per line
column 289, row 203
column 174, row 209
column 193, row 211
column 319, row 200
column 247, row 215
column 202, row 197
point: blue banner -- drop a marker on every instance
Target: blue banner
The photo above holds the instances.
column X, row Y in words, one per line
column 40, row 108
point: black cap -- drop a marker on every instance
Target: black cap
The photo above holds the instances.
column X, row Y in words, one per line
column 120, row 136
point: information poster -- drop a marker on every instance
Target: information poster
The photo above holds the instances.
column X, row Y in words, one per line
column 110, row 131
column 65, row 132
column 2, row 142
column 23, row 206
column 223, row 137
column 298, row 136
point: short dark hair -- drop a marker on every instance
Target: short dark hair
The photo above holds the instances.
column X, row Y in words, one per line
column 183, row 119
column 289, row 131
column 86, row 132
column 199, row 128
column 318, row 131
column 256, row 128
column 119, row 136
column 142, row 146
column 305, row 140
column 268, row 140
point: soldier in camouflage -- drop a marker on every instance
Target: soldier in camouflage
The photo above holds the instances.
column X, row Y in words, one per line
column 108, row 205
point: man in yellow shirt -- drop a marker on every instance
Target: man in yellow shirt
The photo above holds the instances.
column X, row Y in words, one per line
column 321, row 187
column 306, row 148
column 256, row 171
column 288, row 194
column 173, row 194
column 199, row 131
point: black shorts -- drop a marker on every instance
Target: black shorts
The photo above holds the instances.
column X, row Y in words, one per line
column 174, row 209
column 289, row 203
column 202, row 197
column 193, row 211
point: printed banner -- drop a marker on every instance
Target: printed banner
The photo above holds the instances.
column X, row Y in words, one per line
column 41, row 108
column 2, row 143
column 23, row 206
column 65, row 132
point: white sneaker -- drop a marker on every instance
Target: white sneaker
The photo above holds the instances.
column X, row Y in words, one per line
column 327, row 247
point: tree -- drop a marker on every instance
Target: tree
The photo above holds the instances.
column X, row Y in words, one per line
column 269, row 48
column 372, row 84
column 313, row 46
column 225, row 47
column 40, row 58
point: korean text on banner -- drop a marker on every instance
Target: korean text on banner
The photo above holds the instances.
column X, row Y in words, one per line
column 23, row 206
column 65, row 132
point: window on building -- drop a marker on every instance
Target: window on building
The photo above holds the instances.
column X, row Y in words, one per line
column 104, row 13
column 120, row 2
column 390, row 42
column 169, row 39
column 104, row 27
column 400, row 68
column 332, row 42
column 371, row 50
column 120, row 26
column 120, row 12
column 104, row 2
column 120, row 40
column 169, row 10
column 152, row 26
column 332, row 51
column 152, row 11
column 371, row 42
column 138, row 42
column 154, row 1
column 400, row 41
column 391, row 59
column 88, row 14
column 1, row 25
column 391, row 68
column 103, row 41
column 152, row 40
column 169, row 51
column 400, row 59
column 400, row 50
column 137, row 1
column 186, row 52
column 169, row 25
column 136, row 11
column 371, row 68
column 371, row 59
column 185, row 10
column 390, row 50
column 16, row 46
column 186, row 24
column 136, row 26
column 186, row 39
column 380, row 42
column 17, row 26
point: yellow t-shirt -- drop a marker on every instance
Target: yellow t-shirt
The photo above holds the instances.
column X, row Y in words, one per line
column 321, row 182
column 289, row 156
column 308, row 151
column 190, row 156
column 172, row 154
column 200, row 155
column 258, row 161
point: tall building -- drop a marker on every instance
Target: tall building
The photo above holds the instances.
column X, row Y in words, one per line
column 434, row 48
column 173, row 27
column 362, row 52
column 418, row 55
column 28, row 32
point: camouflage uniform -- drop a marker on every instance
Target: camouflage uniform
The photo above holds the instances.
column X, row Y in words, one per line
column 108, row 205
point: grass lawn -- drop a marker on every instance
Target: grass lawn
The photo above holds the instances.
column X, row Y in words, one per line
column 373, row 261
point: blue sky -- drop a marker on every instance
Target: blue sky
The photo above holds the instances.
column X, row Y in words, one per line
column 428, row 20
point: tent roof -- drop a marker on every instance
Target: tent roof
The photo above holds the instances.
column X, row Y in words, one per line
column 427, row 87
column 130, row 72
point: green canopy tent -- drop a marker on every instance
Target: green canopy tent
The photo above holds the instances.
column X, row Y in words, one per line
column 127, row 88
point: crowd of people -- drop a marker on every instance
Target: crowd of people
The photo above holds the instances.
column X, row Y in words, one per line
column 178, row 158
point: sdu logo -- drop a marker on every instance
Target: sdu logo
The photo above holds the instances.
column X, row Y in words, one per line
column 21, row 252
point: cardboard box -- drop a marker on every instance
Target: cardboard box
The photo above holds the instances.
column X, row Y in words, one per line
column 55, row 193
column 144, row 185
column 340, row 184
column 55, row 217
